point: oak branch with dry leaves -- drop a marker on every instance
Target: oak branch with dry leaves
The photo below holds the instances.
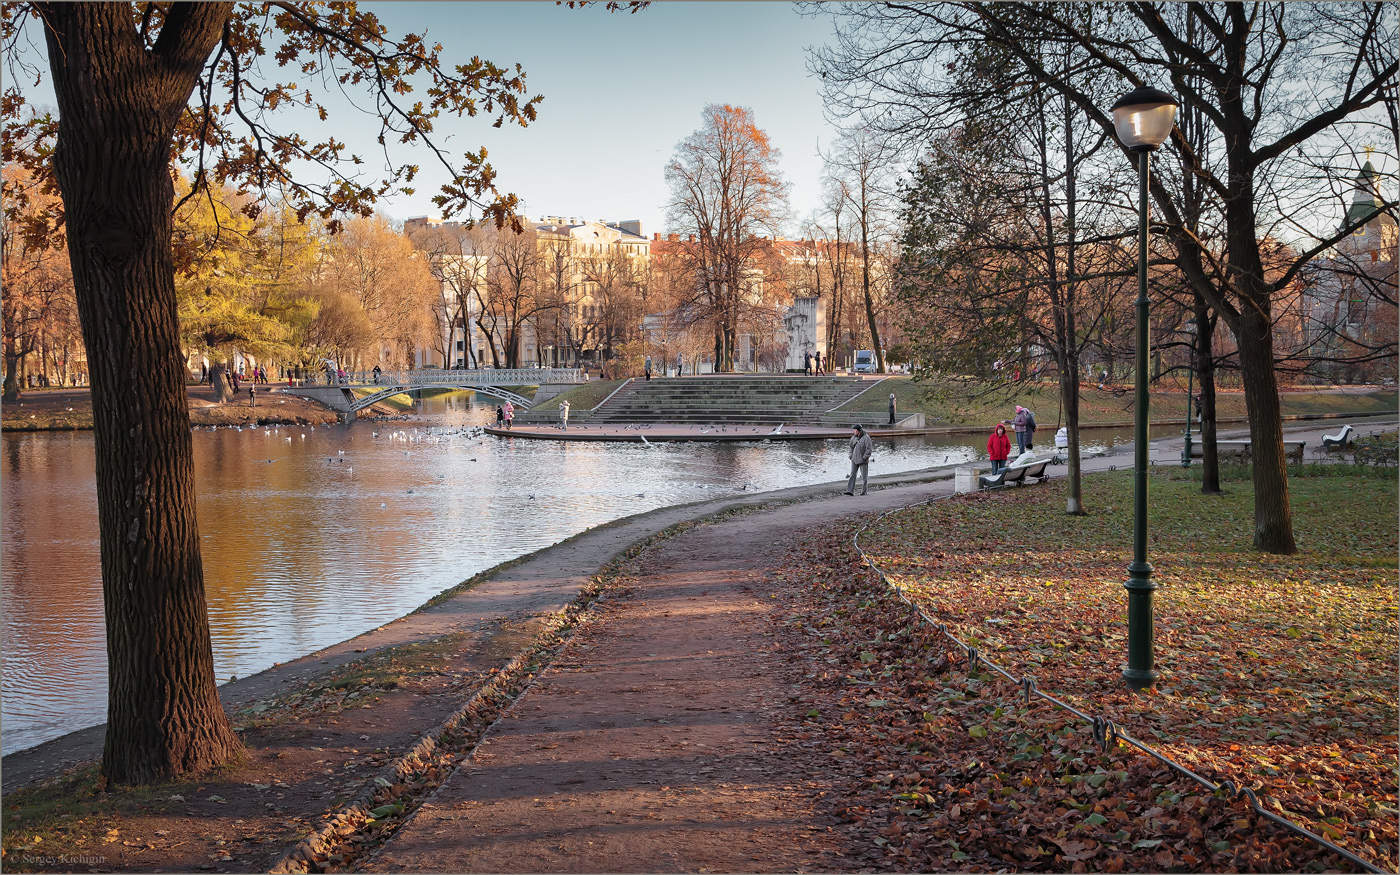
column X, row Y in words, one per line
column 140, row 89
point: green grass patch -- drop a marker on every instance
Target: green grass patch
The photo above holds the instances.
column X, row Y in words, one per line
column 583, row 397
column 967, row 402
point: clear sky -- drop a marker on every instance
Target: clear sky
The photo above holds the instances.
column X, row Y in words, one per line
column 621, row 90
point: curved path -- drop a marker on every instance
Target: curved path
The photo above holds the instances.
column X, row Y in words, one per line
column 654, row 741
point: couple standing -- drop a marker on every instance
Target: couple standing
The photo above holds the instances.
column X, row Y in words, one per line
column 999, row 445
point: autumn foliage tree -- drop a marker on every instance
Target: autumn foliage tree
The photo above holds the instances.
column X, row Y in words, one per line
column 241, row 282
column 727, row 190
column 373, row 269
column 37, row 306
column 140, row 84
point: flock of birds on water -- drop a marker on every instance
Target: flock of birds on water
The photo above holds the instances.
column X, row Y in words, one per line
column 431, row 435
column 439, row 435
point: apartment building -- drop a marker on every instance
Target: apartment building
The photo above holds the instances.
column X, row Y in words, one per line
column 547, row 297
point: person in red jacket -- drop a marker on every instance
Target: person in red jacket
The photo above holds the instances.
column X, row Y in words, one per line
column 998, row 447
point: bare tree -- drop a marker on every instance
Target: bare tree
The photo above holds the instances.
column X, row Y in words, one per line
column 1317, row 74
column 513, row 284
column 726, row 190
column 858, row 176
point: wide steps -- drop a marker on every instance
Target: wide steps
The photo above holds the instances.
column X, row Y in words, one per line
column 728, row 400
column 723, row 401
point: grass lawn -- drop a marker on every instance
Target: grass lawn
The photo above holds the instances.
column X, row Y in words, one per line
column 1278, row 672
column 951, row 405
column 582, row 397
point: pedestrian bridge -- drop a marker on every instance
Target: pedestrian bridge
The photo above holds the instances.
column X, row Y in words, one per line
column 354, row 392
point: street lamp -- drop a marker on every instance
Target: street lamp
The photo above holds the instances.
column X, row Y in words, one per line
column 1143, row 119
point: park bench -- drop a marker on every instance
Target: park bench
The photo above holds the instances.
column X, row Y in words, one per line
column 1037, row 470
column 1239, row 450
column 1015, row 474
column 1342, row 438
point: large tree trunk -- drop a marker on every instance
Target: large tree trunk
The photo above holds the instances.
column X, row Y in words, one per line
column 1205, row 372
column 218, row 381
column 11, row 378
column 1069, row 397
column 118, row 106
column 1273, row 516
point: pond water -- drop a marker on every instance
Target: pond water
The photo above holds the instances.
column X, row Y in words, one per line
column 313, row 535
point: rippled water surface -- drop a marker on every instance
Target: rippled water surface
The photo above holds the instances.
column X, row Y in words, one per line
column 312, row 535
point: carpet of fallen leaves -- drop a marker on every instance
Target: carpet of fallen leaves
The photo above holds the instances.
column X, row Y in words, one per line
column 1276, row 671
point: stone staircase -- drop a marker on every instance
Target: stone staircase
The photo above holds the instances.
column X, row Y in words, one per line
column 735, row 399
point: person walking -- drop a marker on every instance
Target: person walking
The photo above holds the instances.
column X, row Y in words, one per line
column 1019, row 423
column 862, row 447
column 1030, row 429
column 818, row 363
column 377, row 372
column 998, row 447
column 564, row 415
column 680, row 363
column 646, row 369
column 252, row 397
column 892, row 406
column 806, row 364
column 510, row 414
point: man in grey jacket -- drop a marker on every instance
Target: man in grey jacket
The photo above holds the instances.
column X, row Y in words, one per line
column 861, row 448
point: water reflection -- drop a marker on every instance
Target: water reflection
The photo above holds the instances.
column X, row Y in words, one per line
column 311, row 535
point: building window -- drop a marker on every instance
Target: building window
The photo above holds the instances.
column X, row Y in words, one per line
column 461, row 345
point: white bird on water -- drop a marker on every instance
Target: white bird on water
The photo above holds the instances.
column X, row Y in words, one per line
column 644, row 439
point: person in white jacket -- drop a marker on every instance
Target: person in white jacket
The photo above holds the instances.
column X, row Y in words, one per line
column 862, row 447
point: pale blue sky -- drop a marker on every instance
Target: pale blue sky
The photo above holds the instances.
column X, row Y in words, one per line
column 620, row 91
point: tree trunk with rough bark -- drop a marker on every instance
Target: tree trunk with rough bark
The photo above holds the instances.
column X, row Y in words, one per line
column 1205, row 373
column 11, row 378
column 118, row 107
column 1273, row 514
column 218, row 382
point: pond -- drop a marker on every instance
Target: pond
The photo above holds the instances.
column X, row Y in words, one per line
column 313, row 535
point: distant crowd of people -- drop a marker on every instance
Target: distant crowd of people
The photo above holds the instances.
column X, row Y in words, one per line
column 234, row 378
column 41, row 381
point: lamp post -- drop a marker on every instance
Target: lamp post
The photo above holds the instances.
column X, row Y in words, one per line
column 1143, row 119
column 1190, row 375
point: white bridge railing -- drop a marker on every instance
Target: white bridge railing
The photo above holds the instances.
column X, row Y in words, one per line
column 494, row 376
column 451, row 377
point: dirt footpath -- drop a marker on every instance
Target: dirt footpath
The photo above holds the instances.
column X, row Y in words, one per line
column 656, row 742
